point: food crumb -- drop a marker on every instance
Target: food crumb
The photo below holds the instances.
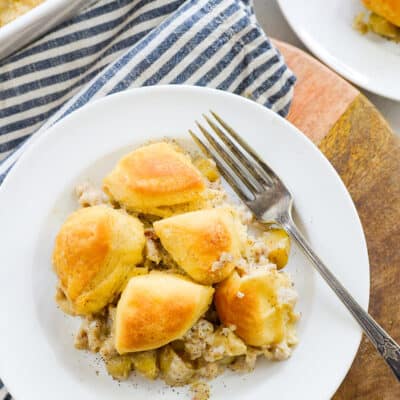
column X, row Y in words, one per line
column 88, row 195
column 200, row 391
column 220, row 263
column 240, row 295
column 359, row 23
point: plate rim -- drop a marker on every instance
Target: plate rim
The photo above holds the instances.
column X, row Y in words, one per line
column 332, row 61
column 212, row 91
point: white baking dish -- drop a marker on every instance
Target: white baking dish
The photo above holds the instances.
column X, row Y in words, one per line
column 35, row 23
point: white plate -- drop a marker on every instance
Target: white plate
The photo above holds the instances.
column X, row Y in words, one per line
column 326, row 28
column 38, row 360
column 35, row 22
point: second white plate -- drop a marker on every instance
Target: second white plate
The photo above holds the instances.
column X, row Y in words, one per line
column 326, row 28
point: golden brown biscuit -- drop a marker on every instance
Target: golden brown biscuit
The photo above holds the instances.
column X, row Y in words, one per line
column 95, row 252
column 204, row 243
column 388, row 9
column 260, row 305
column 154, row 176
column 156, row 309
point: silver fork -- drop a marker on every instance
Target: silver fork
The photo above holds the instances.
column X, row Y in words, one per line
column 268, row 198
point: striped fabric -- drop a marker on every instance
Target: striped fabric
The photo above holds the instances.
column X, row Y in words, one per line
column 4, row 395
column 119, row 44
column 116, row 45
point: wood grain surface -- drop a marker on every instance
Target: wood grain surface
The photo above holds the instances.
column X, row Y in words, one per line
column 361, row 146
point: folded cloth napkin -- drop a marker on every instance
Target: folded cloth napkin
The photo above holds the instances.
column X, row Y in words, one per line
column 119, row 44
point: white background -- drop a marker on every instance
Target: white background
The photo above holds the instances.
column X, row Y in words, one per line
column 274, row 24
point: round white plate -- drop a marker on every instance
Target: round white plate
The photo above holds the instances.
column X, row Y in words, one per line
column 326, row 28
column 37, row 357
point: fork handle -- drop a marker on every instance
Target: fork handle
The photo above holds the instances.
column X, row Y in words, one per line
column 386, row 346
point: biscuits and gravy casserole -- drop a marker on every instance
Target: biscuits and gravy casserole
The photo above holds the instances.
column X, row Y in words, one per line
column 169, row 277
column 12, row 9
column 383, row 20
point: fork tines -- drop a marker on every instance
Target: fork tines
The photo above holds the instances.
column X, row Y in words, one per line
column 237, row 162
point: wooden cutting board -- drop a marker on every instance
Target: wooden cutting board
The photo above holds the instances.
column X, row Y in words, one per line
column 360, row 144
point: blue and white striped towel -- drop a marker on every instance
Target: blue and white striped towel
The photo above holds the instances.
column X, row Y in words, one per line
column 119, row 44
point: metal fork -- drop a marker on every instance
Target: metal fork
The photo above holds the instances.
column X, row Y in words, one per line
column 264, row 193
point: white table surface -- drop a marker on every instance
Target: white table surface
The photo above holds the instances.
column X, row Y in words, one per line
column 275, row 25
